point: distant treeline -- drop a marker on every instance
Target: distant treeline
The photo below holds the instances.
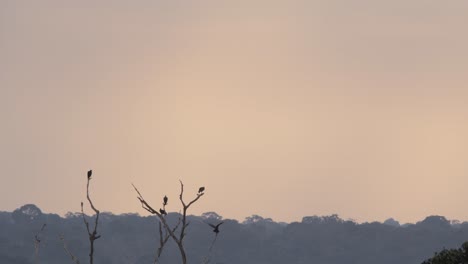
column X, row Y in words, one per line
column 130, row 238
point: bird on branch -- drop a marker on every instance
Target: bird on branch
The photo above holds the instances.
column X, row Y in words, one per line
column 201, row 189
column 215, row 227
column 90, row 172
column 165, row 200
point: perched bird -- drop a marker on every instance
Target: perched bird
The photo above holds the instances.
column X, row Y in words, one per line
column 216, row 227
column 90, row 172
column 162, row 211
column 201, row 189
column 165, row 200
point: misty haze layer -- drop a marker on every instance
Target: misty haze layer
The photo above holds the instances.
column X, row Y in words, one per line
column 130, row 238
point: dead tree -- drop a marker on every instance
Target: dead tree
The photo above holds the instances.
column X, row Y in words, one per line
column 163, row 239
column 171, row 232
column 93, row 236
column 92, row 232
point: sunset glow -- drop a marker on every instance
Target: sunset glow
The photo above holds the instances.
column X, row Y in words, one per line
column 280, row 108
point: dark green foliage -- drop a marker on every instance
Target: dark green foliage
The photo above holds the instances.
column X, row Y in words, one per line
column 450, row 256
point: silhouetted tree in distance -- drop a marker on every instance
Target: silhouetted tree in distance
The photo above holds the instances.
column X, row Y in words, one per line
column 130, row 238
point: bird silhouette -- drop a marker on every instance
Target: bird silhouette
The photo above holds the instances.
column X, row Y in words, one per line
column 215, row 227
column 165, row 200
column 201, row 189
column 162, row 211
column 90, row 172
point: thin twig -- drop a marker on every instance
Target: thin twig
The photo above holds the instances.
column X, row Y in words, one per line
column 212, row 243
column 163, row 240
column 37, row 243
column 207, row 259
column 73, row 258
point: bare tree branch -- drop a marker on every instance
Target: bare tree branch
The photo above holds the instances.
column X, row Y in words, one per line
column 73, row 258
column 207, row 259
column 163, row 240
column 162, row 220
column 84, row 218
column 212, row 243
column 93, row 236
column 171, row 231
column 37, row 243
column 185, row 208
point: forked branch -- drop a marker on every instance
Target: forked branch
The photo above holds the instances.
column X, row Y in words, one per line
column 185, row 207
column 163, row 239
column 170, row 232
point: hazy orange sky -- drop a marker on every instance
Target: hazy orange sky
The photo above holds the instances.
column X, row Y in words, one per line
column 280, row 108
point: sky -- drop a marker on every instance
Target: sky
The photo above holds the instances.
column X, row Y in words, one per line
column 283, row 109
